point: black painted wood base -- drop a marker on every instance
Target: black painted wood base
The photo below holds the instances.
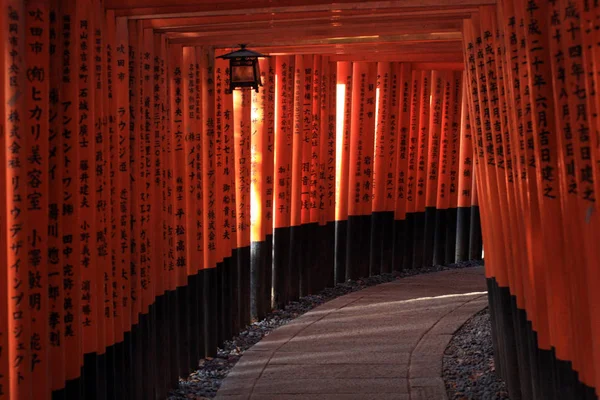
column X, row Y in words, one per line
column 440, row 237
column 429, row 235
column 281, row 258
column 399, row 244
column 451, row 222
column 409, row 244
column 530, row 372
column 475, row 238
column 419, row 239
column 463, row 232
column 341, row 239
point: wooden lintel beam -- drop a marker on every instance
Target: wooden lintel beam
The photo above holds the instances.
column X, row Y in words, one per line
column 163, row 23
column 433, row 23
column 181, row 8
column 374, row 31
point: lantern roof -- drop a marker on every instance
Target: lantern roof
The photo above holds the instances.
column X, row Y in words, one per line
column 243, row 52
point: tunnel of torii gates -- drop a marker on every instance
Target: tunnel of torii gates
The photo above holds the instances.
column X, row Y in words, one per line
column 147, row 215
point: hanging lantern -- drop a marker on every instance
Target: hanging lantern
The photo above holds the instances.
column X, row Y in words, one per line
column 244, row 71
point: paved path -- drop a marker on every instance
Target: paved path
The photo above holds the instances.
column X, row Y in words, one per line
column 384, row 342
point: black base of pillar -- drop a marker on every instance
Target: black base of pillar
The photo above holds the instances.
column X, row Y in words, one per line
column 376, row 247
column 268, row 278
column 429, row 236
column 530, row 373
column 295, row 262
column 419, row 239
column 463, row 231
column 475, row 238
column 341, row 237
column 439, row 245
column 399, row 244
column 281, row 258
column 210, row 312
column 451, row 235
column 258, row 261
column 387, row 246
column 409, row 243
column 353, row 248
column 243, row 267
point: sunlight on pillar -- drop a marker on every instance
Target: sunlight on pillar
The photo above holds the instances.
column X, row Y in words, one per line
column 339, row 141
column 256, row 157
column 376, row 119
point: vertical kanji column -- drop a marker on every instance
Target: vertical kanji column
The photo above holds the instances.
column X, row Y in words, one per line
column 35, row 196
column 422, row 152
column 453, row 166
column 295, row 264
column 465, row 184
column 411, row 175
column 401, row 117
column 55, row 297
column 438, row 81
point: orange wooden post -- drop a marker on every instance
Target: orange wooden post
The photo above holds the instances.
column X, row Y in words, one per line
column 189, row 160
column 465, row 182
column 343, row 126
column 14, row 49
column 443, row 175
column 390, row 169
column 420, row 190
column 576, row 173
column 258, row 251
column 497, row 134
column 367, row 128
column 356, row 182
column 411, row 175
column 226, row 176
column 5, row 365
column 454, row 149
column 123, row 193
column 135, row 185
column 296, row 181
column 401, row 113
column 305, row 126
column 529, row 190
column 438, row 83
column 268, row 72
column 221, row 84
column 282, row 178
column 55, row 298
column 143, row 241
column 209, row 197
column 379, row 218
column 242, row 117
column 546, row 175
column 34, row 205
column 313, row 232
column 591, row 55
column 86, row 188
column 326, row 172
column 223, row 106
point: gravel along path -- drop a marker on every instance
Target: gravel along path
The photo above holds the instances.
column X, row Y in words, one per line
column 205, row 382
column 469, row 371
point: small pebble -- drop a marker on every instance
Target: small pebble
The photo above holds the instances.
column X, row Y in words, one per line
column 468, row 366
column 205, row 382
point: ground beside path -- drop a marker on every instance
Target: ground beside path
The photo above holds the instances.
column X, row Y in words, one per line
column 383, row 342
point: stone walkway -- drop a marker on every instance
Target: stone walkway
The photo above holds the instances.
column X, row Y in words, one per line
column 383, row 342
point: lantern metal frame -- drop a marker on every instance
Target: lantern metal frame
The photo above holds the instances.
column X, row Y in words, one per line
column 243, row 58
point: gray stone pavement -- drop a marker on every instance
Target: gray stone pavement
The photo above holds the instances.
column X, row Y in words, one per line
column 383, row 342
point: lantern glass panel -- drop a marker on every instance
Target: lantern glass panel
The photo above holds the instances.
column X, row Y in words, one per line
column 242, row 74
